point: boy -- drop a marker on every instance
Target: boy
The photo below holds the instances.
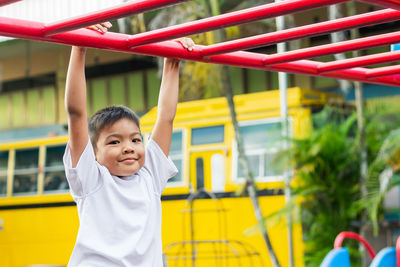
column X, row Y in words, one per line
column 116, row 181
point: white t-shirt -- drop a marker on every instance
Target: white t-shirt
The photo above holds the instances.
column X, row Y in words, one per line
column 120, row 218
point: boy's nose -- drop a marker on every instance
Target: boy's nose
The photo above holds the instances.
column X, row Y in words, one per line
column 128, row 149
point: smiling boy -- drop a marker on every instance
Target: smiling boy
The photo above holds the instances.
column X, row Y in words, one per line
column 116, row 181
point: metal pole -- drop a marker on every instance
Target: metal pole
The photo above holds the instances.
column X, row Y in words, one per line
column 119, row 11
column 351, row 22
column 384, row 3
column 256, row 13
column 283, row 85
column 383, row 71
column 334, row 48
column 7, row 2
column 28, row 59
column 360, row 61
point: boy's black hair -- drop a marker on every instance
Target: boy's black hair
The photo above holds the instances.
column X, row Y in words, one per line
column 107, row 117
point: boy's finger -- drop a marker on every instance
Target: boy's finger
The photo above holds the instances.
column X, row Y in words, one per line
column 107, row 24
column 189, row 44
column 99, row 28
column 183, row 42
column 102, row 28
column 94, row 28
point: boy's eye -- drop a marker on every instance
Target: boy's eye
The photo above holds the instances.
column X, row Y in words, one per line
column 113, row 142
column 136, row 140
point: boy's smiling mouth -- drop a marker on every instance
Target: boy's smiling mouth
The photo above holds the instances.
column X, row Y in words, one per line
column 128, row 160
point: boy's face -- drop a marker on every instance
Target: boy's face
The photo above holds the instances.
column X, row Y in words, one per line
column 120, row 148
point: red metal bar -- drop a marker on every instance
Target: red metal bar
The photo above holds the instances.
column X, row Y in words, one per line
column 115, row 41
column 385, row 3
column 108, row 14
column 230, row 19
column 340, row 237
column 383, row 71
column 330, row 49
column 377, row 17
column 7, row 2
column 308, row 67
column 359, row 61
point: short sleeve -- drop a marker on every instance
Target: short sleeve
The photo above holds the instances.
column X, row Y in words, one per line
column 161, row 167
column 85, row 177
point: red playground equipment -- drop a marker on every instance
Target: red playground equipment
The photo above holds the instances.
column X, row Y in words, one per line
column 71, row 31
column 339, row 256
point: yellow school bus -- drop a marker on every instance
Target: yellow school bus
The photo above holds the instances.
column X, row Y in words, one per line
column 204, row 218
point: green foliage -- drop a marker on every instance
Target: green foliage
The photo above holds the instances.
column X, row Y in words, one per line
column 327, row 170
column 327, row 167
column 383, row 172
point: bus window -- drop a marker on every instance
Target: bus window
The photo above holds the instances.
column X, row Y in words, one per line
column 217, row 173
column 3, row 172
column 261, row 142
column 207, row 135
column 199, row 173
column 26, row 171
column 176, row 155
column 54, row 174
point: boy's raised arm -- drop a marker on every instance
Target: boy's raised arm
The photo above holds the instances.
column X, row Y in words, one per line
column 168, row 100
column 75, row 103
column 75, row 97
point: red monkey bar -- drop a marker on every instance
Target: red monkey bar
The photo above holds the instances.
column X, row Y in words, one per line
column 229, row 19
column 334, row 48
column 383, row 71
column 385, row 3
column 298, row 61
column 362, row 20
column 123, row 10
column 6, row 2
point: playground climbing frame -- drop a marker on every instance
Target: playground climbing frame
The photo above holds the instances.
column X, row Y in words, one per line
column 72, row 31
